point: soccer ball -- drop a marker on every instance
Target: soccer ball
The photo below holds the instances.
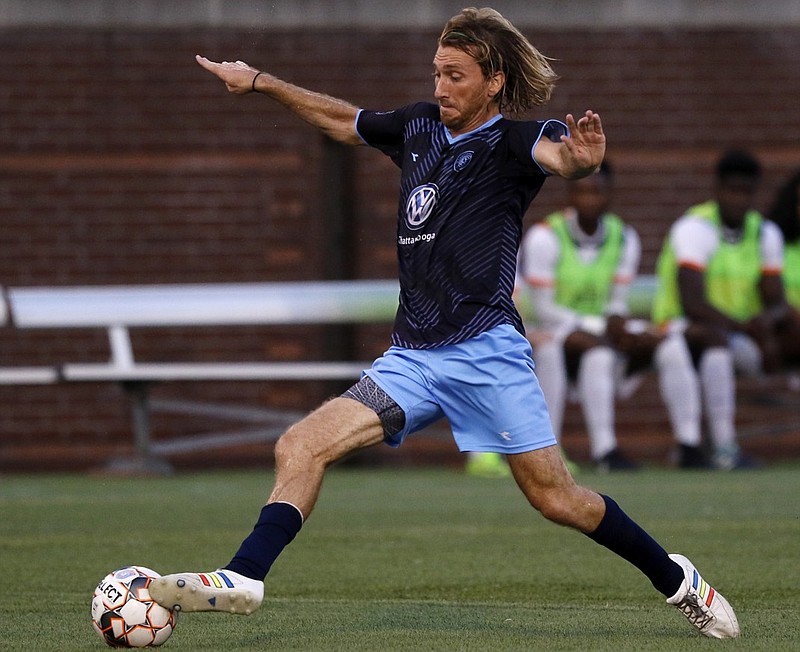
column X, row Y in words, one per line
column 124, row 615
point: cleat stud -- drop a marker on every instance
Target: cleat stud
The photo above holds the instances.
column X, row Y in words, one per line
column 181, row 583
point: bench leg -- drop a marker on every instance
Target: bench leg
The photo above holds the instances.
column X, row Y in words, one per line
column 143, row 461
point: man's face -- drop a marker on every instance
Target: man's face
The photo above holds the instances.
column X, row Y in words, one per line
column 591, row 197
column 797, row 202
column 735, row 195
column 464, row 94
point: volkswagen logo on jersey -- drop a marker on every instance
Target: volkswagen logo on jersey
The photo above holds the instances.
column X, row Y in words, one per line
column 420, row 205
column 462, row 161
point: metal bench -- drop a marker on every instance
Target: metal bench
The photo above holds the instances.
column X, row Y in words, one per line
column 118, row 309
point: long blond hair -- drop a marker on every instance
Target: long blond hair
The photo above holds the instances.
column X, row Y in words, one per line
column 498, row 46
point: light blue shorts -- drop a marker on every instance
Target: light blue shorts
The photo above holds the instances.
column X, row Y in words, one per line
column 485, row 387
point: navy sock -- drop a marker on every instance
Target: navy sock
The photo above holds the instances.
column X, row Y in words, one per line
column 620, row 534
column 276, row 527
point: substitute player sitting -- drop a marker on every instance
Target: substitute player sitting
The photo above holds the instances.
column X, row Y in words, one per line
column 719, row 283
column 785, row 213
column 577, row 266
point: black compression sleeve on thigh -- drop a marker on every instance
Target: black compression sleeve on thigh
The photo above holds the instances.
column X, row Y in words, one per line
column 367, row 392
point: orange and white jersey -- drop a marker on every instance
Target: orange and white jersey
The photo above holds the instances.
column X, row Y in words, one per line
column 695, row 240
column 539, row 258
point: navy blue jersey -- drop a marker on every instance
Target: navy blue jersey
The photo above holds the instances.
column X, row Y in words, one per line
column 460, row 213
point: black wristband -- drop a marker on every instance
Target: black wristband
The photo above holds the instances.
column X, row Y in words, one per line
column 253, row 85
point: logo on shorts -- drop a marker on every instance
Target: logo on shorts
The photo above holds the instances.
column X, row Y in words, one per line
column 420, row 205
column 505, row 435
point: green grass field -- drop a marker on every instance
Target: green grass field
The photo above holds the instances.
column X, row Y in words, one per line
column 411, row 559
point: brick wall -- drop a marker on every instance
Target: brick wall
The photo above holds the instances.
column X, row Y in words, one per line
column 121, row 161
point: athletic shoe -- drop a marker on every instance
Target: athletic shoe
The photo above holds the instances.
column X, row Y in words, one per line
column 615, row 461
column 731, row 459
column 692, row 457
column 221, row 590
column 705, row 608
column 487, row 465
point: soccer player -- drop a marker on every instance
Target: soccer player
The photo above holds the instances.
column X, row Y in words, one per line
column 458, row 348
column 785, row 212
column 719, row 283
column 577, row 266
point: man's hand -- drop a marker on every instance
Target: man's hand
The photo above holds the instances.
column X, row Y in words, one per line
column 615, row 330
column 761, row 329
column 577, row 155
column 585, row 147
column 336, row 118
column 237, row 75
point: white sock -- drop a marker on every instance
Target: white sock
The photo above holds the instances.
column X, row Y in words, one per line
column 680, row 389
column 719, row 396
column 551, row 371
column 596, row 390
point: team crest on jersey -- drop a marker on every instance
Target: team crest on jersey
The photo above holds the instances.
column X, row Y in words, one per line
column 420, row 205
column 463, row 160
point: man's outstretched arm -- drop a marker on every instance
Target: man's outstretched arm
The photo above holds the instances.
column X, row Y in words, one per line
column 334, row 117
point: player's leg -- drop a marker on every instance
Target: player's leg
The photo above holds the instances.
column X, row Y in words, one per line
column 719, row 401
column 493, row 400
column 715, row 366
column 595, row 370
column 680, row 391
column 302, row 454
column 338, row 427
column 551, row 370
column 788, row 333
column 385, row 405
column 550, row 489
column 595, row 384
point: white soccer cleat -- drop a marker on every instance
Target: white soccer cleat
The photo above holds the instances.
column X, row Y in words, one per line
column 221, row 590
column 705, row 608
